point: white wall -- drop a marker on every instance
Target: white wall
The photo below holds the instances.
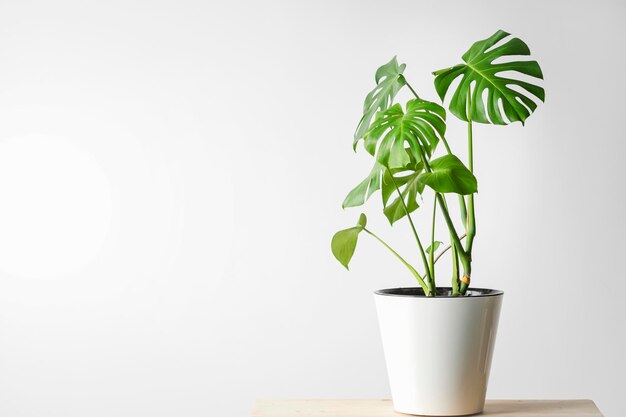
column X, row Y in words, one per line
column 171, row 174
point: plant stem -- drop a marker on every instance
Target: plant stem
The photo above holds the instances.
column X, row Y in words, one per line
column 455, row 272
column 471, row 218
column 417, row 239
column 463, row 256
column 463, row 210
column 455, row 256
column 411, row 88
column 405, row 263
column 433, row 286
column 447, row 248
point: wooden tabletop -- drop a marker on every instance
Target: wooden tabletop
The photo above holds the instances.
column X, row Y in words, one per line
column 384, row 408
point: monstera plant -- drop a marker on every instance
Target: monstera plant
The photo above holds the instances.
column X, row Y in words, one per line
column 413, row 160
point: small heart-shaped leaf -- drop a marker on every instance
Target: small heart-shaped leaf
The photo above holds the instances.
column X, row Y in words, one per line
column 434, row 246
column 344, row 241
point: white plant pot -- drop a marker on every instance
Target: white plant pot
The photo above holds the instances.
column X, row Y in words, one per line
column 438, row 349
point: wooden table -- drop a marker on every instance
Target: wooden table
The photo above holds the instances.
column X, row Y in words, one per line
column 383, row 408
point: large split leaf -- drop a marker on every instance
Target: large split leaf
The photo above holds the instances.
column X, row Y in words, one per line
column 480, row 73
column 419, row 129
column 389, row 80
column 344, row 241
column 449, row 175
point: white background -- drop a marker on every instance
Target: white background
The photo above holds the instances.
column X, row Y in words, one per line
column 171, row 174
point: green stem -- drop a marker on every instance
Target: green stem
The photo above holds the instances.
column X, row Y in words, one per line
column 433, row 287
column 471, row 217
column 463, row 210
column 410, row 88
column 416, row 274
column 417, row 239
column 463, row 256
column 447, row 248
column 455, row 272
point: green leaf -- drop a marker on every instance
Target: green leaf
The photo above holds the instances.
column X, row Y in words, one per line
column 362, row 221
column 344, row 241
column 449, row 175
column 480, row 74
column 366, row 188
column 374, row 182
column 434, row 246
column 419, row 129
column 410, row 189
column 389, row 80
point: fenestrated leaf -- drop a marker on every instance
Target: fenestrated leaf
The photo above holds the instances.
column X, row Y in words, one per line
column 410, row 189
column 344, row 241
column 434, row 246
column 366, row 188
column 449, row 175
column 419, row 129
column 389, row 81
column 480, row 73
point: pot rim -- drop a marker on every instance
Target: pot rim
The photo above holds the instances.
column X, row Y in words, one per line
column 418, row 292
